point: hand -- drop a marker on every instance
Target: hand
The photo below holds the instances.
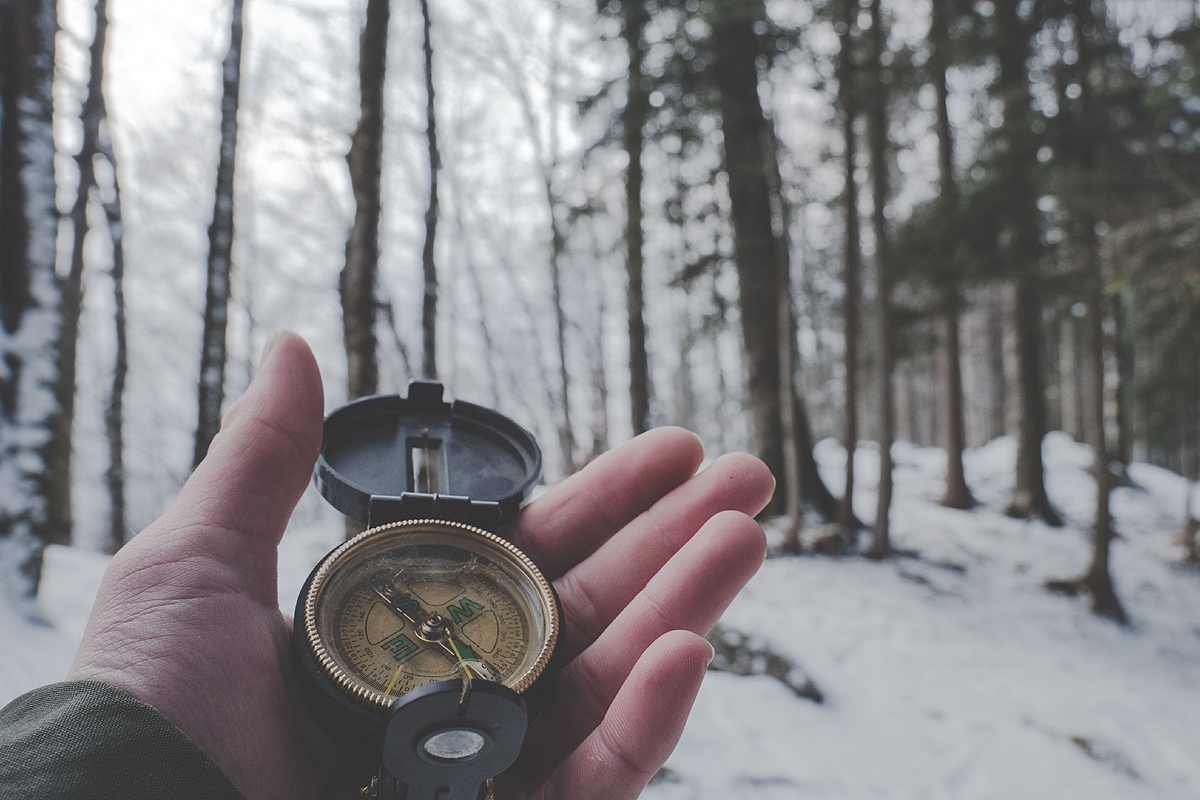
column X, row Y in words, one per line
column 644, row 554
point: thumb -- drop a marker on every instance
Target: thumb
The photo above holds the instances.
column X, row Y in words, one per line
column 237, row 502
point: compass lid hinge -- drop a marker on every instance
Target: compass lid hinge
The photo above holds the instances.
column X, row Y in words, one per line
column 483, row 514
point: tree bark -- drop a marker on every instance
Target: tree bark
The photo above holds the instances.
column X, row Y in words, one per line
column 881, row 194
column 220, row 251
column 114, row 417
column 1022, row 251
column 1029, row 496
column 1097, row 581
column 58, row 452
column 787, row 349
column 954, row 437
column 357, row 281
column 633, row 121
column 997, row 421
column 1068, row 376
column 756, row 249
column 29, row 302
column 742, row 122
column 851, row 268
column 429, row 306
column 110, row 199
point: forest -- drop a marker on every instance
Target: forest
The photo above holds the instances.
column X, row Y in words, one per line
column 774, row 223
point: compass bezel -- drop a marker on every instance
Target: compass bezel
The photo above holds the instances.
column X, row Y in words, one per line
column 471, row 538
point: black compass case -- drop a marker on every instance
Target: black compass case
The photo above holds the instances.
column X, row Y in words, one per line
column 388, row 459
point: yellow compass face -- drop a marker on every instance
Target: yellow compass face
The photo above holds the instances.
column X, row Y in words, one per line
column 403, row 605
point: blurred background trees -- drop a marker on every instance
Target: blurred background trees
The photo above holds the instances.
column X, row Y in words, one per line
column 940, row 221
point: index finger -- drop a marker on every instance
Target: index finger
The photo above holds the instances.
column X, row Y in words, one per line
column 570, row 521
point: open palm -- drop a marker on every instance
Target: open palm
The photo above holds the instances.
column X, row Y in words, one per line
column 644, row 553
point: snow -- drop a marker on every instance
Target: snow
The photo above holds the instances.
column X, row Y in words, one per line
column 948, row 672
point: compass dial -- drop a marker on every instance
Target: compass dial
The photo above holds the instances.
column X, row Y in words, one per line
column 406, row 604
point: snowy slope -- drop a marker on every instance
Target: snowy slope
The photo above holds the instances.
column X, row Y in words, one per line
column 951, row 673
column 948, row 672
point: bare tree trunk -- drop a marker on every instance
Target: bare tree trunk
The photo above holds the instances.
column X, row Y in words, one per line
column 220, row 248
column 953, row 423
column 958, row 494
column 599, row 386
column 58, row 451
column 742, row 122
column 851, row 268
column 114, row 417
column 1022, row 253
column 633, row 119
column 905, row 428
column 997, row 423
column 29, row 302
column 1068, row 377
column 877, row 133
column 1125, row 377
column 358, row 278
column 1029, row 496
column 1097, row 581
column 788, row 355
column 429, row 307
column 749, row 164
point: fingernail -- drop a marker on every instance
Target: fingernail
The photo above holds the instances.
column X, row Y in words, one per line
column 272, row 340
column 712, row 651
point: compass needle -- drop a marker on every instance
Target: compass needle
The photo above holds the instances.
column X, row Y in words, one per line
column 391, row 685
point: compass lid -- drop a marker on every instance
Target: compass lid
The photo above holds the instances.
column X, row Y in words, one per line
column 386, row 458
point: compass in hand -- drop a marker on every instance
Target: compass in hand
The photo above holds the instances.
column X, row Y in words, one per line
column 421, row 639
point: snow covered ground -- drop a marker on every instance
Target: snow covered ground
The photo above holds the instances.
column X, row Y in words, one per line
column 947, row 672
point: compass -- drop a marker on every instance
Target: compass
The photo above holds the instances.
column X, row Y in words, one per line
column 424, row 641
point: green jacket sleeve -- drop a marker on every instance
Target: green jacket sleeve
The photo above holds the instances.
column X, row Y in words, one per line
column 85, row 739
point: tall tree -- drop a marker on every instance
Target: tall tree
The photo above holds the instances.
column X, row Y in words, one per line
column 97, row 146
column 633, row 122
column 114, row 417
column 734, row 72
column 1021, row 251
column 548, row 160
column 851, row 259
column 429, row 267
column 877, row 136
column 951, row 415
column 1089, row 28
column 29, row 302
column 220, row 249
column 365, row 159
column 58, row 452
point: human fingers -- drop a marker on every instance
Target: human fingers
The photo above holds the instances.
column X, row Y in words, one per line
column 689, row 593
column 187, row 617
column 598, row 588
column 578, row 515
column 640, row 728
column 237, row 502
